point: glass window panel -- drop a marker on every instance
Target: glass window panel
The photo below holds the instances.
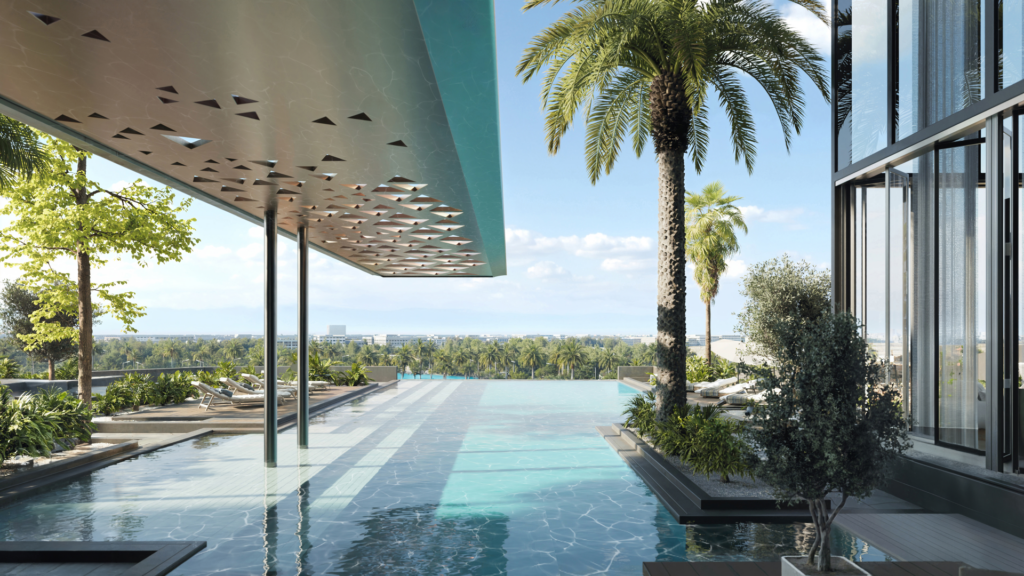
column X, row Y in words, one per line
column 961, row 313
column 940, row 66
column 922, row 271
column 1010, row 41
column 897, row 182
column 861, row 79
column 874, row 249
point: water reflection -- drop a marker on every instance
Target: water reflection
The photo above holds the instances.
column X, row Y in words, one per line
column 413, row 540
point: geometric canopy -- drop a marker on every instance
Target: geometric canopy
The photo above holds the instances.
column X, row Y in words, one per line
column 374, row 123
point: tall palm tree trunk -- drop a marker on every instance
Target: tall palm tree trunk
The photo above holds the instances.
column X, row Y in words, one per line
column 670, row 124
column 707, row 330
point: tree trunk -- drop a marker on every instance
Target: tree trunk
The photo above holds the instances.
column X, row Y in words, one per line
column 84, row 310
column 670, row 124
column 51, row 368
column 707, row 331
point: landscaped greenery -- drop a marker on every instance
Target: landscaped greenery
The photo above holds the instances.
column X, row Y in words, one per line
column 135, row 390
column 644, row 69
column 32, row 424
column 17, row 305
column 518, row 358
column 699, row 436
column 57, row 216
column 830, row 423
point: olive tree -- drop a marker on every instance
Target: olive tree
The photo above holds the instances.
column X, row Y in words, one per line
column 780, row 293
column 830, row 423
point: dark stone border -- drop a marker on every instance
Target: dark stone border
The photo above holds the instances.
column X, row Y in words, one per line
column 67, row 464
column 26, row 489
column 150, row 558
column 691, row 490
column 683, row 502
column 949, row 491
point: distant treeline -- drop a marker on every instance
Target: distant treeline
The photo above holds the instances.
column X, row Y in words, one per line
column 518, row 358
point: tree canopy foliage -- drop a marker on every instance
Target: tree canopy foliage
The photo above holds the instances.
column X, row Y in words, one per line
column 16, row 308
column 831, row 423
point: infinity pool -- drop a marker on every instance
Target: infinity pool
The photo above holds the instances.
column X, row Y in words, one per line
column 431, row 477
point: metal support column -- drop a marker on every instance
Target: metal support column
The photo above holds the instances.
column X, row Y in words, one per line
column 303, row 337
column 994, row 440
column 270, row 338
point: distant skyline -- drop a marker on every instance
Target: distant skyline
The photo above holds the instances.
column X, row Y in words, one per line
column 581, row 258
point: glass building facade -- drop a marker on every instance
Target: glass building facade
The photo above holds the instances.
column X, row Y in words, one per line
column 927, row 153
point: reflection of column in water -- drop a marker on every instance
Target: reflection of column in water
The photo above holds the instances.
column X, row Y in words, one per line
column 302, row 530
column 803, row 537
column 270, row 521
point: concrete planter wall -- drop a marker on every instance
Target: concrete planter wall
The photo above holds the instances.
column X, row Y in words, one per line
column 791, row 566
column 640, row 373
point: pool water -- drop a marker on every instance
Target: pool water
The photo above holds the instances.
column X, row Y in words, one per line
column 431, row 477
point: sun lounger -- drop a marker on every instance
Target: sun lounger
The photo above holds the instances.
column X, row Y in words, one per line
column 258, row 384
column 210, row 396
column 718, row 391
column 239, row 389
column 742, row 399
column 313, row 384
column 704, row 385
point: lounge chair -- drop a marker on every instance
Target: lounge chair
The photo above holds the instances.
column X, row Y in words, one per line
column 258, row 383
column 698, row 387
column 240, row 389
column 718, row 391
column 742, row 399
column 313, row 384
column 210, row 396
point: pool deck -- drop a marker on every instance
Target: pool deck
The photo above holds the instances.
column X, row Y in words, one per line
column 243, row 419
column 775, row 568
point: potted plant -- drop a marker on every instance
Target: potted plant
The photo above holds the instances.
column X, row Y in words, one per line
column 830, row 425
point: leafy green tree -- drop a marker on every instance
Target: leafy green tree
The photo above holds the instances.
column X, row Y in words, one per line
column 20, row 151
column 645, row 68
column 780, row 292
column 831, row 424
column 607, row 360
column 403, row 358
column 571, row 355
column 59, row 214
column 16, row 308
column 711, row 223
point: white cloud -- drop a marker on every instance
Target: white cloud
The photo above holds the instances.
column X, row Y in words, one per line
column 735, row 269
column 547, row 271
column 626, row 264
column 255, row 232
column 119, row 185
column 809, row 26
column 790, row 217
column 596, row 245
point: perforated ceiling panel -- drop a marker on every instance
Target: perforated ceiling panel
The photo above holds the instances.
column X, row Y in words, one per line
column 328, row 111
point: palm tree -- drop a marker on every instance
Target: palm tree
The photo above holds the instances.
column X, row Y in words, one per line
column 403, row 357
column 531, row 357
column 711, row 223
column 443, row 362
column 607, row 360
column 571, row 355
column 20, row 152
column 645, row 68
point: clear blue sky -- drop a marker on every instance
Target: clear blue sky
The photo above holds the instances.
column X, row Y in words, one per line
column 581, row 257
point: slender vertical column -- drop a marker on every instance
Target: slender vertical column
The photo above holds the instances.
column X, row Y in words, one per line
column 270, row 338
column 888, row 277
column 995, row 440
column 303, row 337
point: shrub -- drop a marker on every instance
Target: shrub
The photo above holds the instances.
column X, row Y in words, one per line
column 779, row 293
column 134, row 390
column 830, row 422
column 357, row 375
column 697, row 369
column 9, row 368
column 67, row 370
column 714, row 445
column 640, row 413
column 32, row 423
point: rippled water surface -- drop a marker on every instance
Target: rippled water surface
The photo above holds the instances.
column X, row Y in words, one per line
column 434, row 477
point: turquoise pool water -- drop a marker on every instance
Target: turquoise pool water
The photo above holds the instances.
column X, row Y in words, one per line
column 432, row 477
column 406, row 376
